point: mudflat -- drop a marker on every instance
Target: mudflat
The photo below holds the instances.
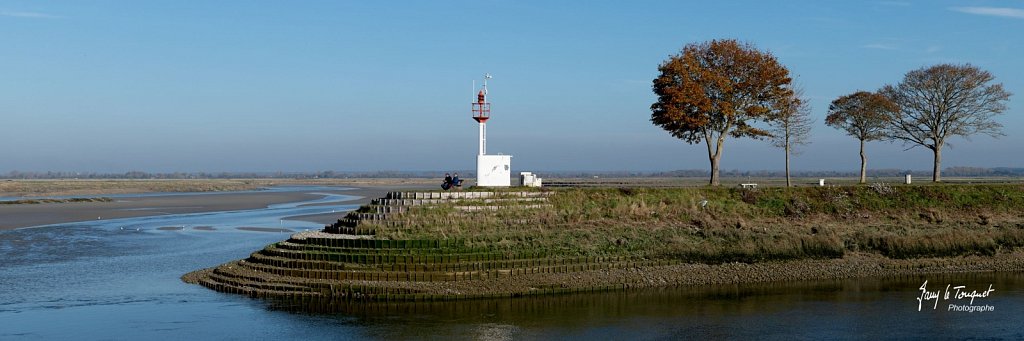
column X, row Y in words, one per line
column 86, row 188
column 26, row 215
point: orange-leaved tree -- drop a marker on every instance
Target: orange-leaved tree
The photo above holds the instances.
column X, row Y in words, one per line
column 716, row 89
column 864, row 115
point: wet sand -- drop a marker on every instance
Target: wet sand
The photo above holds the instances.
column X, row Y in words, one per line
column 96, row 187
column 26, row 215
column 171, row 228
column 264, row 229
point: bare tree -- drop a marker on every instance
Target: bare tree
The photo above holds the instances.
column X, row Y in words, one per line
column 716, row 89
column 864, row 115
column 791, row 127
column 942, row 101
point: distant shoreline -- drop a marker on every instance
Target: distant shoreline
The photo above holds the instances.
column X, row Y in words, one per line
column 28, row 215
column 31, row 189
column 54, row 201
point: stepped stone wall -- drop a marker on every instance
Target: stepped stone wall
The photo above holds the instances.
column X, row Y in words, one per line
column 345, row 261
column 388, row 211
column 350, row 261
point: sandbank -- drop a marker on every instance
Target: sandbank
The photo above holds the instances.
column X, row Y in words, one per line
column 27, row 215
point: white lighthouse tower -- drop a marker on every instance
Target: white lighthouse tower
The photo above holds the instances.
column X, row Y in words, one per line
column 491, row 170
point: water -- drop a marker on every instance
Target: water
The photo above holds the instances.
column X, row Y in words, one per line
column 119, row 279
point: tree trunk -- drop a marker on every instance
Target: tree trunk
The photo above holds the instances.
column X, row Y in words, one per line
column 714, row 155
column 937, row 168
column 789, row 183
column 714, row 170
column 863, row 164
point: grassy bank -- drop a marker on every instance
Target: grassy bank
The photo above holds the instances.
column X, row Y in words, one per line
column 714, row 225
column 441, row 246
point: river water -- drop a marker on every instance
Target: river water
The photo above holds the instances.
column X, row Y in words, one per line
column 119, row 279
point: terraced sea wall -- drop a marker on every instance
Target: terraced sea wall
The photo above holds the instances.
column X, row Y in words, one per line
column 345, row 261
column 439, row 246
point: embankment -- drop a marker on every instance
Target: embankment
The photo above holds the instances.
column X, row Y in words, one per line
column 441, row 246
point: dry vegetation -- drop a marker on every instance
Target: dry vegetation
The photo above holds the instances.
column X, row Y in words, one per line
column 715, row 225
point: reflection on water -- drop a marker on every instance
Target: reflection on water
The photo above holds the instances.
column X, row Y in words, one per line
column 862, row 308
column 119, row 279
column 113, row 237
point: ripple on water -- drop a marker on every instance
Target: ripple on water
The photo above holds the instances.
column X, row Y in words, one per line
column 120, row 279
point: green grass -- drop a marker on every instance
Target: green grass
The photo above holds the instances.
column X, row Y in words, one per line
column 739, row 224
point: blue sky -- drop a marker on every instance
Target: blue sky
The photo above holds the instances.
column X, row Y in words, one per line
column 113, row 86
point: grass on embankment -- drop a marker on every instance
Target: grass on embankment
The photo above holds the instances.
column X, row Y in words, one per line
column 742, row 225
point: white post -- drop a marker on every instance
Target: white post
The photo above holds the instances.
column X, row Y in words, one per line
column 821, row 182
column 908, row 179
column 483, row 138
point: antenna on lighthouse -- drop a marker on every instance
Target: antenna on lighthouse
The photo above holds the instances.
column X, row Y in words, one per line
column 486, row 77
